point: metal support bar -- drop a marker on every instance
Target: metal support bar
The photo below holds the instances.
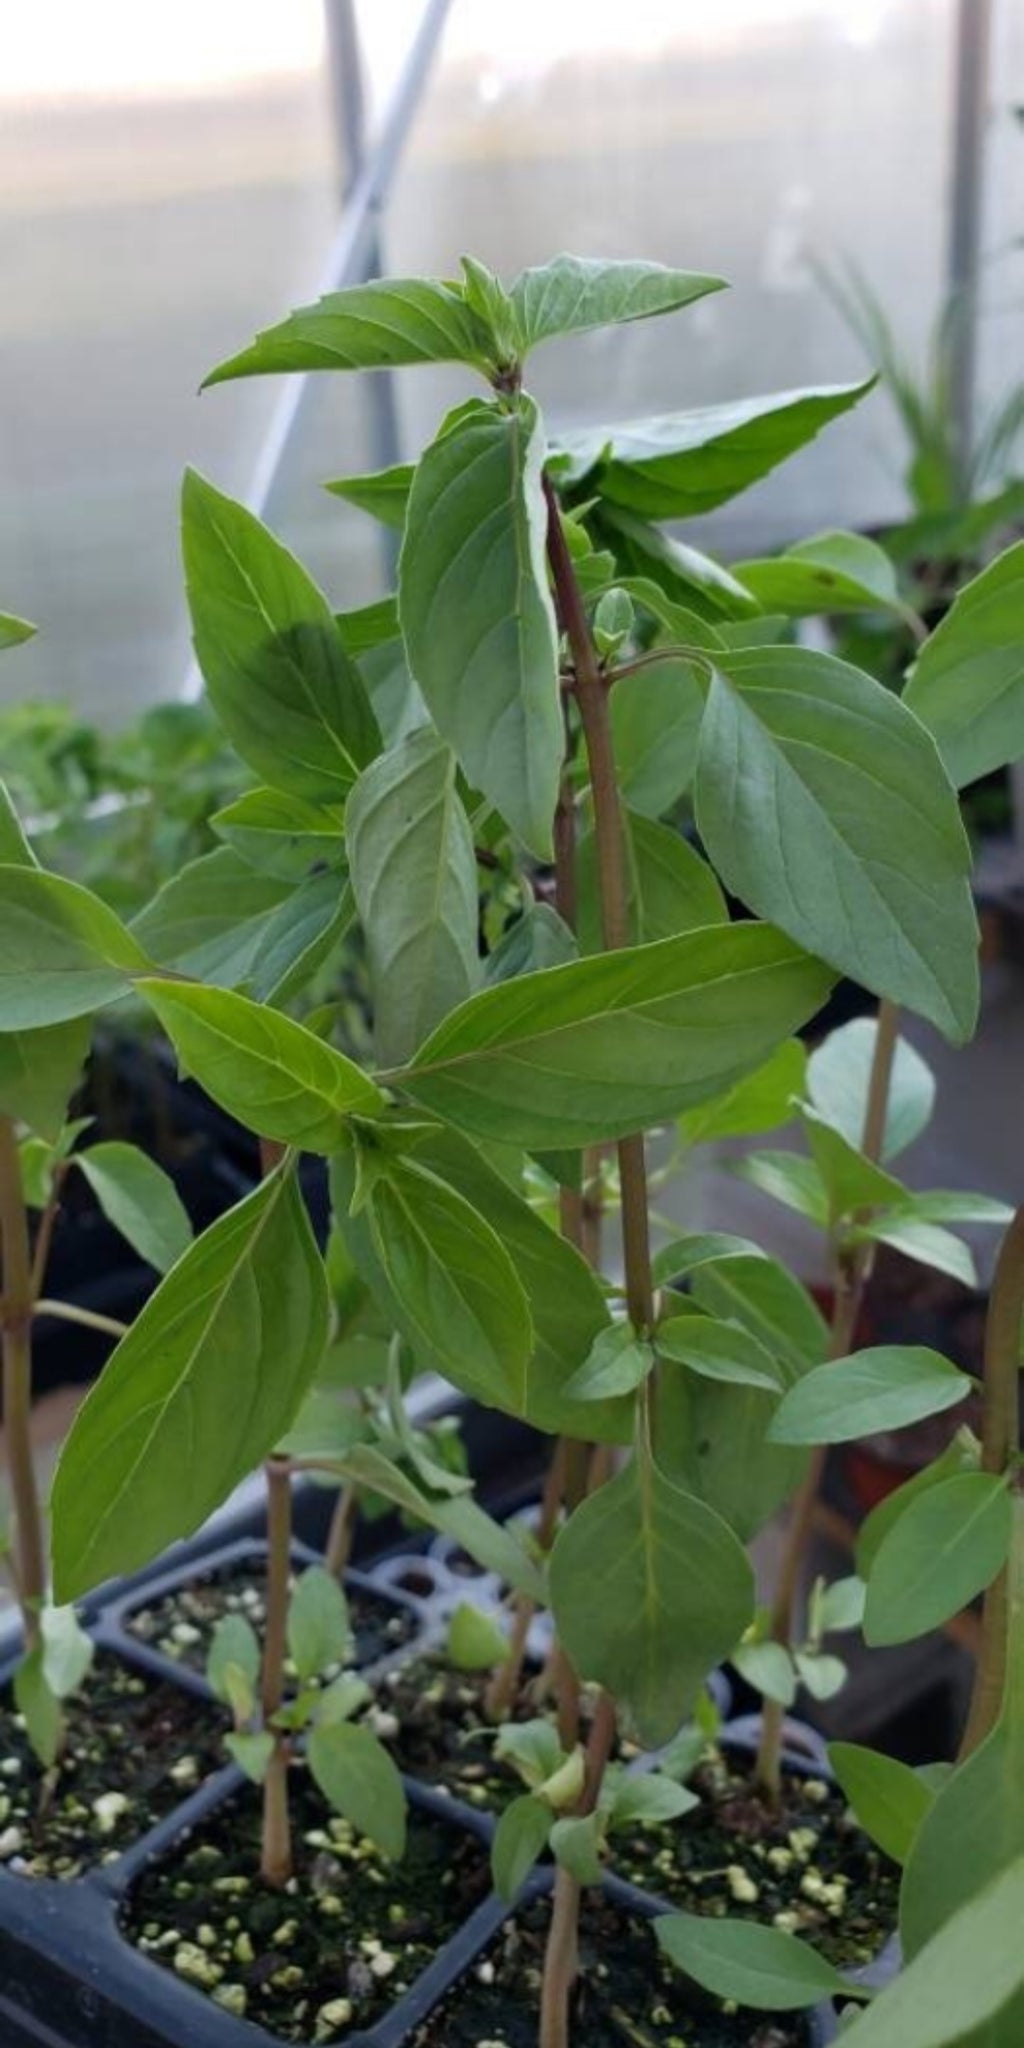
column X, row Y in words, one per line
column 970, row 114
column 350, row 259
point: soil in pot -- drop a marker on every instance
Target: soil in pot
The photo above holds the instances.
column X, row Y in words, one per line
column 180, row 1624
column 627, row 1995
column 337, row 1946
column 805, row 1867
column 135, row 1749
column 443, row 1735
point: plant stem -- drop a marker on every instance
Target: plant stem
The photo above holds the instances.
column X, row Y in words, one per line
column 561, row 1960
column 90, row 1319
column 338, row 1548
column 851, row 1277
column 276, row 1856
column 17, row 1385
column 1000, row 1447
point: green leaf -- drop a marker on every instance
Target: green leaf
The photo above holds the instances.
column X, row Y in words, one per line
column 680, row 464
column 788, row 1178
column 670, row 888
column 809, row 768
column 567, row 1305
column 885, row 1387
column 674, row 1261
column 711, row 1434
column 211, row 918
column 576, row 1845
column 281, row 835
column 572, row 294
column 960, row 1980
column 492, row 1545
column 852, row 1181
column 358, row 1778
column 537, row 940
column 298, row 937
column 414, row 878
column 690, row 584
column 768, row 1668
column 263, row 1068
column 841, row 1605
column 39, row 1072
column 35, row 1698
column 373, row 638
column 68, row 1651
column 602, row 1047
column 475, row 1641
column 822, row 1675
column 62, row 952
column 889, row 1800
column 519, row 1838
column 967, row 684
column 476, row 611
column 14, row 630
column 139, row 1199
column 838, row 1078
column 234, row 1645
column 961, row 1455
column 762, row 1102
column 925, row 1242
column 384, row 494
column 285, row 691
column 457, row 1296
column 378, row 326
column 752, row 1965
column 534, row 1748
column 618, row 1363
column 647, row 1799
column 649, row 1590
column 252, row 1754
column 656, row 717
column 945, row 1548
column 15, row 851
column 941, row 1205
column 834, row 572
column 319, row 1632
column 776, row 1308
column 169, row 1428
column 716, row 1351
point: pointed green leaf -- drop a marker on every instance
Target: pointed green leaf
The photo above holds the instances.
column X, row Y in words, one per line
column 967, row 1975
column 759, row 1966
column 617, row 1364
column 671, row 889
column 377, row 326
column 809, row 768
column 414, row 878
column 928, row 1243
column 883, row 1388
column 605, row 1046
column 384, row 494
column 943, row 1551
column 373, row 638
column 788, row 1178
column 39, row 1072
column 656, row 716
column 838, row 1078
column 199, row 1391
column 319, row 1632
column 717, row 1351
column 14, row 630
column 681, row 464
column 62, row 952
column 961, row 1455
column 139, row 1199
column 834, row 572
column 458, row 1299
column 889, row 1800
column 967, row 684
column 263, row 1068
column 358, row 1778
column 762, row 1102
column 576, row 1845
column 520, row 1837
column 769, row 1669
column 537, row 940
column 711, row 1433
column 476, row 611
column 211, row 918
column 68, row 1652
column 649, row 1590
column 699, row 589
column 252, row 1754
column 674, row 1261
column 768, row 1301
column 277, row 673
column 281, row 835
column 36, row 1700
column 492, row 1545
column 852, row 1181
column 298, row 937
column 572, row 294
column 647, row 1799
column 233, row 1645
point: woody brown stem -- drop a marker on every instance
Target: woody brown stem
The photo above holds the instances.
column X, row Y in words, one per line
column 29, row 1549
column 1000, row 1450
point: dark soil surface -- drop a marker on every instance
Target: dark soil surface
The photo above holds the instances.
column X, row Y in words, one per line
column 336, row 1947
column 181, row 1624
column 628, row 1996
column 135, row 1748
column 432, row 1720
column 807, row 1868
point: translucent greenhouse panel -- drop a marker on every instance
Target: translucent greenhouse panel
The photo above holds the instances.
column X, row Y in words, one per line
column 167, row 182
column 738, row 138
